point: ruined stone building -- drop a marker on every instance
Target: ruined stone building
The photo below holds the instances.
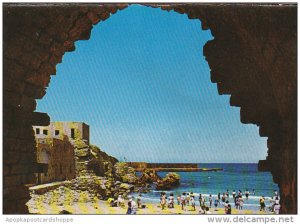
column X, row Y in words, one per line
column 58, row 154
column 73, row 130
column 55, row 149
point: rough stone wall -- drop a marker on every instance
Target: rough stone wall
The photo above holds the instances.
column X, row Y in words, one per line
column 86, row 133
column 252, row 57
column 61, row 160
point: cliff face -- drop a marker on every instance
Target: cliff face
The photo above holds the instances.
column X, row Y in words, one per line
column 253, row 57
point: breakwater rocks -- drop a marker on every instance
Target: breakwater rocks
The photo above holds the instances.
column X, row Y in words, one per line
column 170, row 167
column 187, row 169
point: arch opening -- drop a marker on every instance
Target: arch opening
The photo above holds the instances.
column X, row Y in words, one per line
column 156, row 69
column 142, row 84
column 265, row 115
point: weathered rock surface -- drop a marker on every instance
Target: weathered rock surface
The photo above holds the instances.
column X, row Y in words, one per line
column 170, row 181
column 125, row 173
column 149, row 176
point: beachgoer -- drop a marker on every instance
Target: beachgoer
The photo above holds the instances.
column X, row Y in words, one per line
column 275, row 193
column 139, row 201
column 200, row 200
column 178, row 200
column 210, row 200
column 203, row 201
column 276, row 209
column 223, row 197
column 188, row 197
column 272, row 204
column 129, row 208
column 163, row 201
column 183, row 201
column 247, row 194
column 207, row 211
column 228, row 209
column 262, row 203
column 219, row 198
column 241, row 203
column 120, row 201
column 233, row 194
column 277, row 200
column 192, row 200
column 227, row 193
column 171, row 201
column 133, row 207
column 240, row 193
column 216, row 204
column 237, row 202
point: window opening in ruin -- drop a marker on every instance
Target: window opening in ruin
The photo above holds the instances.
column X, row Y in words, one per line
column 56, row 132
column 45, row 132
column 72, row 133
column 37, row 131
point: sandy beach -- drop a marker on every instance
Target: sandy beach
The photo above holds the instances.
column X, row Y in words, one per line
column 103, row 207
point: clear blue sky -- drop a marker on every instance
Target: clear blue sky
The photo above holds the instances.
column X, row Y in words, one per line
column 142, row 84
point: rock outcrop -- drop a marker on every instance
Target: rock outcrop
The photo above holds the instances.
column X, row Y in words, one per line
column 125, row 173
column 170, row 181
column 100, row 174
column 149, row 176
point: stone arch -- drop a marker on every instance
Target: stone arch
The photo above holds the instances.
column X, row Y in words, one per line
column 253, row 58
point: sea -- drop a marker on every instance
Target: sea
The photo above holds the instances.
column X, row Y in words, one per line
column 234, row 176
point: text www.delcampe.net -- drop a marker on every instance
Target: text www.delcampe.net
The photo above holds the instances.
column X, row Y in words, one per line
column 251, row 219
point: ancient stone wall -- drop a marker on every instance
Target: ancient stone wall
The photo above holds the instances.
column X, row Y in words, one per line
column 59, row 156
column 253, row 58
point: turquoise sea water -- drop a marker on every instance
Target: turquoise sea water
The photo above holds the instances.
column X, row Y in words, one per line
column 234, row 176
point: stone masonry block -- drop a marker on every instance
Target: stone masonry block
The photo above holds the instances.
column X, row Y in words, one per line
column 16, row 192
column 27, row 158
column 9, row 206
column 14, row 180
column 20, row 169
column 10, row 157
column 6, row 170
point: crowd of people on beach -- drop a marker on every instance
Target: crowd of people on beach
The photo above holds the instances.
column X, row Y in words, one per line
column 187, row 201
